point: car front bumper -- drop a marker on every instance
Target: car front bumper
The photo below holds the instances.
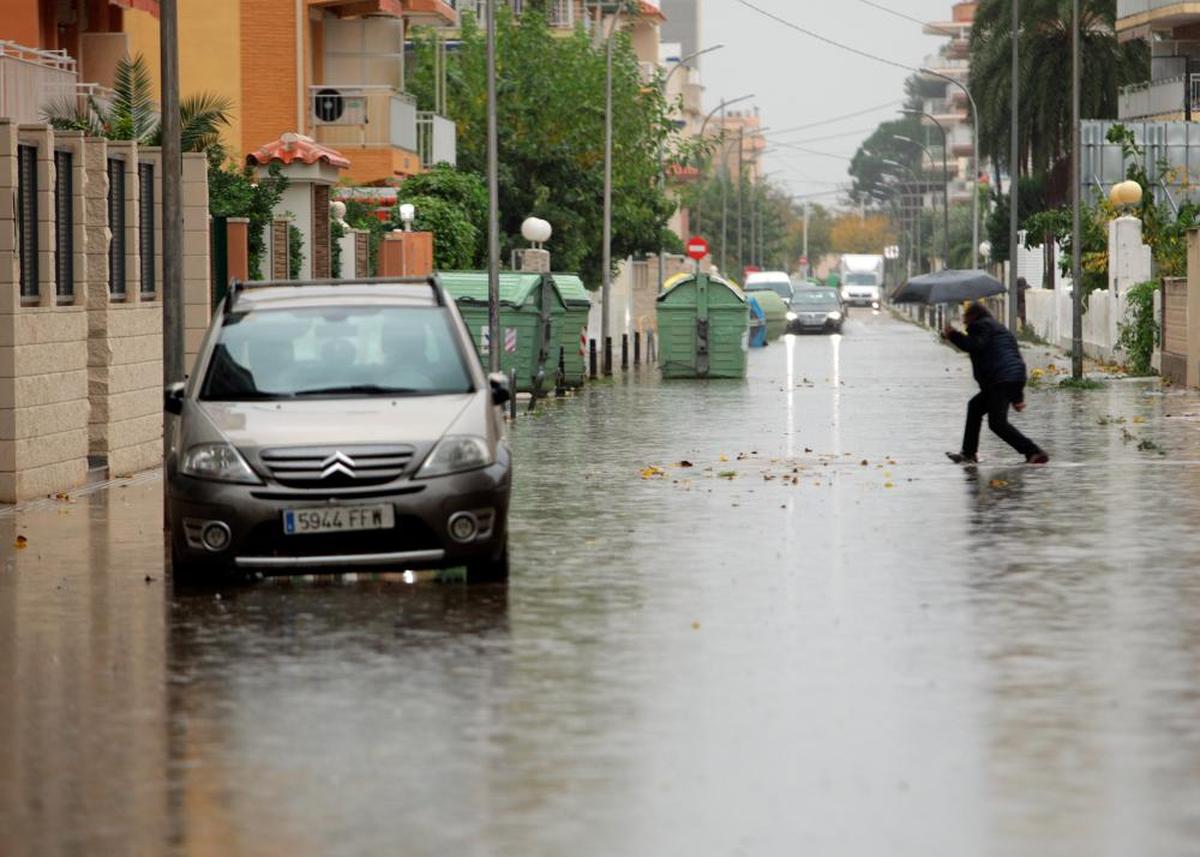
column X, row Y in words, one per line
column 420, row 538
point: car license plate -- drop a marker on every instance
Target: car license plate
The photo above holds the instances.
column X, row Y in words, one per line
column 338, row 519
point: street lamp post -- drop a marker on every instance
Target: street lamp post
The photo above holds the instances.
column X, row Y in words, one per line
column 1076, row 174
column 974, row 158
column 662, row 169
column 945, row 191
column 918, row 183
column 493, row 180
column 945, row 168
column 606, row 290
column 720, row 108
column 1014, row 169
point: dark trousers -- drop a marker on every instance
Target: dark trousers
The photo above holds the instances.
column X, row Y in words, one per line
column 993, row 402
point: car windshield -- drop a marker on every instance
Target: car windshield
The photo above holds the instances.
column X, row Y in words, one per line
column 336, row 352
column 816, row 299
column 784, row 290
column 861, row 280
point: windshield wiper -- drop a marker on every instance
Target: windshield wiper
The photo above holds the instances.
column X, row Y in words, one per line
column 244, row 396
column 360, row 390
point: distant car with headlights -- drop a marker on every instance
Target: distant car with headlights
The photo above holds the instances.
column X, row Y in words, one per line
column 770, row 281
column 818, row 310
column 333, row 427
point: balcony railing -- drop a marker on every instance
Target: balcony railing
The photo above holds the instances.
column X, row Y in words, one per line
column 1160, row 97
column 1129, row 8
column 364, row 116
column 30, row 79
column 437, row 139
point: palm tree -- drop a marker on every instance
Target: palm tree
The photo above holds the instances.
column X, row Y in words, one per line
column 131, row 114
column 1045, row 75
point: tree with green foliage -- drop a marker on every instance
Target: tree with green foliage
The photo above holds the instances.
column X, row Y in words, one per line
column 763, row 205
column 237, row 191
column 452, row 203
column 551, row 142
column 132, row 113
column 1045, row 75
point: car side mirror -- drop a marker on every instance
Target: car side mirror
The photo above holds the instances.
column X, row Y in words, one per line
column 173, row 398
column 501, row 390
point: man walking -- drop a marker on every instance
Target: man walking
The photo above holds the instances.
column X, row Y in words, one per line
column 1000, row 370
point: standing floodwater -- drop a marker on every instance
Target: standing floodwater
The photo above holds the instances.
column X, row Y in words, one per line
column 755, row 617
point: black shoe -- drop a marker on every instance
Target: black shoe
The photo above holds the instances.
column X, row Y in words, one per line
column 1038, row 457
column 962, row 458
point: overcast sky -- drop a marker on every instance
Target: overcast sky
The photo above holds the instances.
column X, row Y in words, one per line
column 798, row 80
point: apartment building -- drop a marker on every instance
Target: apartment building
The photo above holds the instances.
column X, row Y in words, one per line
column 1172, row 30
column 948, row 103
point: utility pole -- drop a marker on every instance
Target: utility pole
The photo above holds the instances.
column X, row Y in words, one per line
column 172, row 192
column 808, row 266
column 724, row 195
column 1014, row 169
column 493, row 177
column 1076, row 175
column 741, row 223
column 606, row 292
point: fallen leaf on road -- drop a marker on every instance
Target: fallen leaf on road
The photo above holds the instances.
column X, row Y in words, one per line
column 21, row 543
column 685, row 463
column 888, row 485
column 727, row 474
column 653, row 472
column 998, row 483
column 1139, row 420
column 864, row 462
column 723, row 458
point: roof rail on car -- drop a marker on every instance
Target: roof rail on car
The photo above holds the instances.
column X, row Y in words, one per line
column 236, row 286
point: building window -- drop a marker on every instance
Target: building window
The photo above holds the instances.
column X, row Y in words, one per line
column 27, row 219
column 64, row 225
column 146, row 227
column 116, row 225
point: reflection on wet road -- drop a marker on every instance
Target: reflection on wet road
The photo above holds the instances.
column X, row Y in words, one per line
column 821, row 639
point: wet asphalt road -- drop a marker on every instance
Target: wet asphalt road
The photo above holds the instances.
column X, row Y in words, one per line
column 779, row 650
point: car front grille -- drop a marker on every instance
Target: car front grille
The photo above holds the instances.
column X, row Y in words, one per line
column 337, row 467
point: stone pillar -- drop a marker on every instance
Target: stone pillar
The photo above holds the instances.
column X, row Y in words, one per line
column 322, row 259
column 1129, row 260
column 362, row 252
column 1193, row 309
column 406, row 254
column 535, row 261
column 197, row 249
column 279, row 268
column 237, row 236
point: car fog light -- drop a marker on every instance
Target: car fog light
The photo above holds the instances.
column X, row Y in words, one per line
column 216, row 536
column 463, row 527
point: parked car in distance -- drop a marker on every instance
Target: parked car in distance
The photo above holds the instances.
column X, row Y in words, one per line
column 771, row 281
column 333, row 427
column 816, row 309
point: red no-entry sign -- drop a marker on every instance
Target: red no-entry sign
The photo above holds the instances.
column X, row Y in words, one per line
column 697, row 248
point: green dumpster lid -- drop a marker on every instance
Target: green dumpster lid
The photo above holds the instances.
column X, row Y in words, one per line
column 572, row 289
column 687, row 277
column 472, row 286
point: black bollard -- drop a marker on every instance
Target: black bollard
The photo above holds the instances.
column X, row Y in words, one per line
column 512, row 400
column 592, row 358
column 651, row 347
column 637, row 348
column 560, row 377
column 608, row 355
column 624, row 350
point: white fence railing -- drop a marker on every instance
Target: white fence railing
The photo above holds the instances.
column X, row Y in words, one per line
column 30, row 79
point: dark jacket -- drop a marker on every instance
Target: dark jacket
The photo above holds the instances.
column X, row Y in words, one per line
column 995, row 355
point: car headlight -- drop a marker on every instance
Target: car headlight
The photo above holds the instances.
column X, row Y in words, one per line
column 835, row 316
column 219, row 462
column 845, row 294
column 455, row 455
column 791, row 316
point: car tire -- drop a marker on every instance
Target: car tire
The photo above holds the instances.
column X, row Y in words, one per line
column 189, row 573
column 489, row 570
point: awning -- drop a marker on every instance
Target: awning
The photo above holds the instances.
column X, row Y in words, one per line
column 150, row 6
column 360, row 8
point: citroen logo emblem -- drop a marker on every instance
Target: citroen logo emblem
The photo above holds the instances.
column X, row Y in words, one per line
column 337, row 463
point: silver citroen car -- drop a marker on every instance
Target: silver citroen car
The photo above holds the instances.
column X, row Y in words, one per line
column 338, row 425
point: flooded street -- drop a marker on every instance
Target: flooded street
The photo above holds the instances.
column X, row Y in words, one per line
column 820, row 638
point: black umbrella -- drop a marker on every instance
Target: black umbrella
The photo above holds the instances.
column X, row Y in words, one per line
column 948, row 287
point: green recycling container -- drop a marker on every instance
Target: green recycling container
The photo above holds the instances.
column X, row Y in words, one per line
column 574, row 328
column 531, row 317
column 703, row 328
column 775, row 310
